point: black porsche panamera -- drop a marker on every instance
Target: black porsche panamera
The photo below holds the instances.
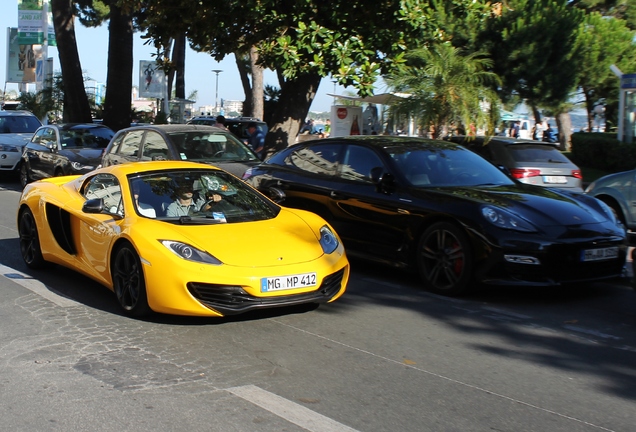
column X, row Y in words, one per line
column 439, row 208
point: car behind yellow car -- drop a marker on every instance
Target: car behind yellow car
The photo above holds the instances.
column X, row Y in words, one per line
column 181, row 238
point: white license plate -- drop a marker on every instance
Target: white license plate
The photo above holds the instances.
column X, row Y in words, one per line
column 599, row 254
column 288, row 282
column 555, row 179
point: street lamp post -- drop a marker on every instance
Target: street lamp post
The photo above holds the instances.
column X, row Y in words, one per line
column 216, row 100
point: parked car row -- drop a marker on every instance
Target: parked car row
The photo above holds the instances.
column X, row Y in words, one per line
column 497, row 211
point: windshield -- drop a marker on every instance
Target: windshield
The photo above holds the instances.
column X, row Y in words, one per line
column 198, row 196
column 446, row 166
column 87, row 138
column 204, row 146
column 19, row 124
column 536, row 153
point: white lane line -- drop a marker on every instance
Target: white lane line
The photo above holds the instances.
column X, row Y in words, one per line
column 36, row 286
column 288, row 410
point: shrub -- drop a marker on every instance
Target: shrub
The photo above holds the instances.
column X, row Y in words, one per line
column 602, row 151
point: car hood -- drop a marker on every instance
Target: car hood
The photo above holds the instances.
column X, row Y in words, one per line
column 237, row 168
column 16, row 139
column 284, row 240
column 83, row 155
column 542, row 206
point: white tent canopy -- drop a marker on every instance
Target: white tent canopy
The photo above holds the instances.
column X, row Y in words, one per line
column 381, row 99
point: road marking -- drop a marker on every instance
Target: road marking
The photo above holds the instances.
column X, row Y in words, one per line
column 288, row 410
column 36, row 286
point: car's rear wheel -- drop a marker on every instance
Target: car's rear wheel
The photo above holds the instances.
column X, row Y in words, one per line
column 445, row 259
column 25, row 177
column 30, row 241
column 128, row 281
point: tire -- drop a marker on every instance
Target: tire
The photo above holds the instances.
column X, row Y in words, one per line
column 25, row 178
column 445, row 260
column 128, row 281
column 30, row 241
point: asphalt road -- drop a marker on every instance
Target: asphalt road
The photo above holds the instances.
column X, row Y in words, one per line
column 388, row 356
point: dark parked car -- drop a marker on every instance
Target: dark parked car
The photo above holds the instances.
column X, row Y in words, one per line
column 236, row 125
column 16, row 129
column 532, row 162
column 63, row 149
column 194, row 143
column 444, row 210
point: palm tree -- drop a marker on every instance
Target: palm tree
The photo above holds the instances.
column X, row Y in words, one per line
column 446, row 88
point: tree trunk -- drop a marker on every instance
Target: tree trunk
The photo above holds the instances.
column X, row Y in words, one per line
column 293, row 105
column 178, row 57
column 257, row 85
column 244, row 73
column 117, row 106
column 76, row 106
column 564, row 123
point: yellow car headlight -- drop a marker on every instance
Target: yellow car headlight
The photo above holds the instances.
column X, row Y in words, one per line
column 190, row 253
column 328, row 240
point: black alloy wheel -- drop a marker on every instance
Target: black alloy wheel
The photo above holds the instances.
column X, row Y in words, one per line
column 30, row 241
column 128, row 281
column 25, row 178
column 445, row 260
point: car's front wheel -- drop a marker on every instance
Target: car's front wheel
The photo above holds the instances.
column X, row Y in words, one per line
column 30, row 241
column 445, row 259
column 128, row 281
column 25, row 177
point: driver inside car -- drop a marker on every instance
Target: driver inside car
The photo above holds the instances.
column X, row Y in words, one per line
column 185, row 204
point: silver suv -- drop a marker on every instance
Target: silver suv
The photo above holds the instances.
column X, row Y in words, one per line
column 16, row 130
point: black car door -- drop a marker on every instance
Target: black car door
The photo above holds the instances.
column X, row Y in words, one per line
column 43, row 165
column 369, row 220
column 307, row 176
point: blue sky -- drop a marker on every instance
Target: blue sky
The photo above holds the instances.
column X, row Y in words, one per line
column 93, row 50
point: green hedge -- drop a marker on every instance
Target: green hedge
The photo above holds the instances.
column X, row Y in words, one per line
column 602, row 151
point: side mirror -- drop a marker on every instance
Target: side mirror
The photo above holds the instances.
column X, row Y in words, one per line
column 95, row 205
column 275, row 194
column 51, row 145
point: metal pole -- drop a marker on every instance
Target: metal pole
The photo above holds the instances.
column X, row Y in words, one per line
column 216, row 100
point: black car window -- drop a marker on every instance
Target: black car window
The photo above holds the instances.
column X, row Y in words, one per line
column 130, row 143
column 315, row 158
column 358, row 162
column 38, row 136
column 536, row 153
column 155, row 147
column 49, row 138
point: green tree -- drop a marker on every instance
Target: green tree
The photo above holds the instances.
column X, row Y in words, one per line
column 604, row 41
column 446, row 88
column 304, row 41
column 532, row 44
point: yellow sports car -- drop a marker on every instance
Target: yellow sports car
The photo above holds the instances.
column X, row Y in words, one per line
column 181, row 238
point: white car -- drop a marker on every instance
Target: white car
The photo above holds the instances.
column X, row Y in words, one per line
column 16, row 130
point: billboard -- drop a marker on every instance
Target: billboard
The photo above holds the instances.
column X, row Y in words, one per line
column 152, row 80
column 346, row 120
column 21, row 59
column 31, row 23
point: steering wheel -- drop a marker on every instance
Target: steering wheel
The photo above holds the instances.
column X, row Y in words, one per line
column 462, row 176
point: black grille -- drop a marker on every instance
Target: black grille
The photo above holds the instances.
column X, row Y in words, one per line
column 230, row 300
